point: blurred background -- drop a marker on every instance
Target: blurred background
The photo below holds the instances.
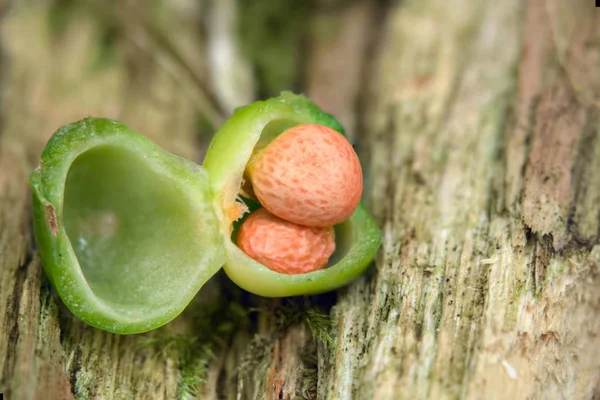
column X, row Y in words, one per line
column 173, row 70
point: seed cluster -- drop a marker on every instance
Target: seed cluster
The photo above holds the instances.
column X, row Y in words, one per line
column 308, row 179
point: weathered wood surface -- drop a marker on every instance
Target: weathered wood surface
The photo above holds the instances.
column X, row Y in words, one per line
column 478, row 124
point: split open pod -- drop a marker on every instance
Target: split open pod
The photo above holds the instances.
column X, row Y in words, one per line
column 128, row 233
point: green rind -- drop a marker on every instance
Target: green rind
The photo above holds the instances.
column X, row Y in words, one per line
column 226, row 159
column 258, row 279
column 232, row 145
column 54, row 247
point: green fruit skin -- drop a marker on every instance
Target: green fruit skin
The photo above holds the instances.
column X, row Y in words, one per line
column 54, row 247
column 214, row 188
column 226, row 159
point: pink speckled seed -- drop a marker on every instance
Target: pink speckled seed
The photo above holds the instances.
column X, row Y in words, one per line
column 309, row 175
column 283, row 246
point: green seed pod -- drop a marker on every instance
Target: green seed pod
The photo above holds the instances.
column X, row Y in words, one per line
column 252, row 127
column 128, row 233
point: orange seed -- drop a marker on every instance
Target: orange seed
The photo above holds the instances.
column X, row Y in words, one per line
column 283, row 246
column 309, row 175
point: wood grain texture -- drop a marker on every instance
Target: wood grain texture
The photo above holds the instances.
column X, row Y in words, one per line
column 478, row 127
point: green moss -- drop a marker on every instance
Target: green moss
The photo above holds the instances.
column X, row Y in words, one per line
column 294, row 311
column 309, row 383
column 214, row 326
column 319, row 324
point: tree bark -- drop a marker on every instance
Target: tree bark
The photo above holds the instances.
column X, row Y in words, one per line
column 478, row 127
